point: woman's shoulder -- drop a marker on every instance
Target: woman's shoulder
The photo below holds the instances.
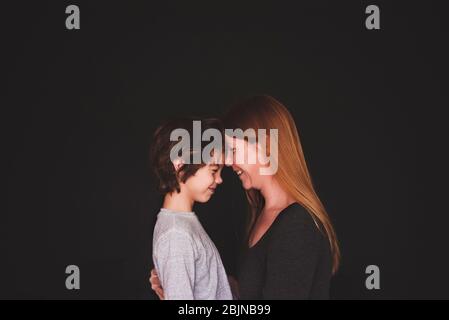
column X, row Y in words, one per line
column 295, row 213
column 296, row 220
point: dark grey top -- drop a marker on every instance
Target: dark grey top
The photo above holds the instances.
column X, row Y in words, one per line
column 291, row 261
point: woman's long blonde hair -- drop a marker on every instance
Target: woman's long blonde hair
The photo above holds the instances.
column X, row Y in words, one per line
column 265, row 112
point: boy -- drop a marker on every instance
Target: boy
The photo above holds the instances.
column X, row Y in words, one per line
column 186, row 260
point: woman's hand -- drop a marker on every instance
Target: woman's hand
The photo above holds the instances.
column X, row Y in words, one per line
column 156, row 285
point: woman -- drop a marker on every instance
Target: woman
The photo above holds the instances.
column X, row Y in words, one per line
column 292, row 249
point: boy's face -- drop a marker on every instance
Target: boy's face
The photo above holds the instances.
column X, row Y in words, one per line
column 203, row 183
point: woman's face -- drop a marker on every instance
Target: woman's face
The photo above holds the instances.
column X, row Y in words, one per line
column 238, row 158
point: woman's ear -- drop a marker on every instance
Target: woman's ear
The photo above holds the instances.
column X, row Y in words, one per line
column 178, row 163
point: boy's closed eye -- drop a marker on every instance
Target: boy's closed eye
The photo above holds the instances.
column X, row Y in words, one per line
column 214, row 168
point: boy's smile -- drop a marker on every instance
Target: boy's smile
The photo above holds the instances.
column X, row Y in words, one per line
column 212, row 189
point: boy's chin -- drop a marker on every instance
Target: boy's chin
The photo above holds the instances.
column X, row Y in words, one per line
column 204, row 199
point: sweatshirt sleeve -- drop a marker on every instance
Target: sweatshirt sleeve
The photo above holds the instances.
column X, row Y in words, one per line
column 175, row 264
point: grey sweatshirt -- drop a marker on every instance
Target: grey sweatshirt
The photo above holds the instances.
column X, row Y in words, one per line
column 186, row 260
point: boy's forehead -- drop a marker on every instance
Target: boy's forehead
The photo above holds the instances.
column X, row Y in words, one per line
column 217, row 157
column 217, row 164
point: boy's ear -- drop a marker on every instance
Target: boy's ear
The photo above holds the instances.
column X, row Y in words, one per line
column 178, row 163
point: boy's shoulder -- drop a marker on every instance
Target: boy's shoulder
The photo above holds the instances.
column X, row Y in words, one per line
column 175, row 236
column 175, row 225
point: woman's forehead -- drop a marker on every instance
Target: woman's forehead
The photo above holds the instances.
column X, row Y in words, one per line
column 233, row 140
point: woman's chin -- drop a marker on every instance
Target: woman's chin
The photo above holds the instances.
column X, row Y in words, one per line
column 246, row 185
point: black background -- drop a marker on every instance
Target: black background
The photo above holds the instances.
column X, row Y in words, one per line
column 80, row 107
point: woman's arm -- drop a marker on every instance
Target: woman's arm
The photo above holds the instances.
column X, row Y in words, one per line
column 157, row 287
